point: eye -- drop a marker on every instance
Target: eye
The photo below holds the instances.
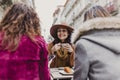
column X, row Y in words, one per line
column 64, row 30
column 61, row 30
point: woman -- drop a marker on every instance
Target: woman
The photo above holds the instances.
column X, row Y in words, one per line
column 61, row 47
column 97, row 42
column 23, row 52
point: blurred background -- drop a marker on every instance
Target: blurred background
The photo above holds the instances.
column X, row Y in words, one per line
column 57, row 11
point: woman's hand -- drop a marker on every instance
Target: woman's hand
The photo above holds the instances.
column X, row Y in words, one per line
column 56, row 47
column 68, row 47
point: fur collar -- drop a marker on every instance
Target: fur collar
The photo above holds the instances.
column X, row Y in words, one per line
column 97, row 23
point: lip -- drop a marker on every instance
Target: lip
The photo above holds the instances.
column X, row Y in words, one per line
column 60, row 35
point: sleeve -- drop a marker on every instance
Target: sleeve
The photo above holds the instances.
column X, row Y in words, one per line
column 50, row 45
column 81, row 67
column 72, row 59
column 44, row 73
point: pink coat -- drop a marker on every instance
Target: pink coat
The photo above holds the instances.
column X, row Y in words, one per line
column 28, row 62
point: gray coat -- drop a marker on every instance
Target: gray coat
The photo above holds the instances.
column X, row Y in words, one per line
column 97, row 51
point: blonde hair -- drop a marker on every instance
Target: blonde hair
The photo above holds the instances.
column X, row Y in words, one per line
column 96, row 11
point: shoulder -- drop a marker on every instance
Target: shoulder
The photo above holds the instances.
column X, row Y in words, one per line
column 81, row 43
column 93, row 24
column 41, row 42
column 37, row 41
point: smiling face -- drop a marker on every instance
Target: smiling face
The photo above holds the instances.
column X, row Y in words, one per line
column 62, row 34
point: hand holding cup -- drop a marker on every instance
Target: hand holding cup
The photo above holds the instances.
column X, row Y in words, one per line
column 68, row 47
column 56, row 47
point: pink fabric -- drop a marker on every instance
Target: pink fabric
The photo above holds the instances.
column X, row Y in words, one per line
column 28, row 62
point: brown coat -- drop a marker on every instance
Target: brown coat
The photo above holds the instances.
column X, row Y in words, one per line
column 61, row 60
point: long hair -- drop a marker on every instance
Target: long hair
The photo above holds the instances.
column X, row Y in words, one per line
column 19, row 20
column 96, row 11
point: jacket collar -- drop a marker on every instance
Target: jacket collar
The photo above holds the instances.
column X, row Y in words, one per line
column 97, row 23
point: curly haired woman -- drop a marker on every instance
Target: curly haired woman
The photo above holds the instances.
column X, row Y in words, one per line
column 23, row 52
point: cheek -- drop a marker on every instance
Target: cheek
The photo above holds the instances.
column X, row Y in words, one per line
column 62, row 35
column 66, row 35
column 58, row 34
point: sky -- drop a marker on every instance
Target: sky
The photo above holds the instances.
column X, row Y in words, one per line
column 45, row 10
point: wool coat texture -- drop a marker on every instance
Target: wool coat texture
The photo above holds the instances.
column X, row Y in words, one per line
column 97, row 49
column 28, row 62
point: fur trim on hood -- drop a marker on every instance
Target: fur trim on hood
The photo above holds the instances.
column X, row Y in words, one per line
column 97, row 23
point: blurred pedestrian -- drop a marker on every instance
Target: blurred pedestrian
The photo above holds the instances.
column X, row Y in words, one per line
column 97, row 51
column 23, row 52
column 95, row 12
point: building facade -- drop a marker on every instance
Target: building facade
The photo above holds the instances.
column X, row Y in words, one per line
column 74, row 9
column 6, row 3
column 28, row 2
column 57, row 14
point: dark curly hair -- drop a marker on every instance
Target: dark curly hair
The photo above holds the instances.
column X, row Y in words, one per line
column 67, row 40
column 19, row 20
